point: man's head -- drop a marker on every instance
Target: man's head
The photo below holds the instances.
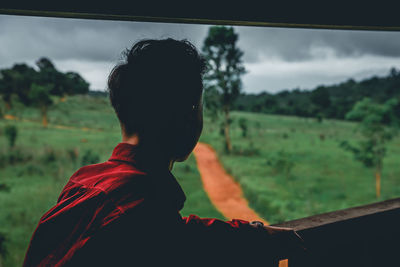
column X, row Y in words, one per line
column 156, row 92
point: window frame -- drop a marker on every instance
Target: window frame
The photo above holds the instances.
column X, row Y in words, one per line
column 365, row 224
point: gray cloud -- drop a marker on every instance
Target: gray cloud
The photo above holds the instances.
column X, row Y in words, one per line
column 92, row 47
column 94, row 40
column 97, row 40
column 300, row 44
column 277, row 75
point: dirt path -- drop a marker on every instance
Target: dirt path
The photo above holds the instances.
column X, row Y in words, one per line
column 223, row 191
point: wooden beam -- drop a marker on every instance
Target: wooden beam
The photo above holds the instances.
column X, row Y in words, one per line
column 361, row 236
column 326, row 16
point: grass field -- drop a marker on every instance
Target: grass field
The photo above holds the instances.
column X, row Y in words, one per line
column 293, row 167
column 288, row 167
column 44, row 159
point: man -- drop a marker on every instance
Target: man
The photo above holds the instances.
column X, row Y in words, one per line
column 125, row 212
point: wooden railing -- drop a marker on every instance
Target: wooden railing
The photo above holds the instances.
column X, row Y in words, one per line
column 367, row 236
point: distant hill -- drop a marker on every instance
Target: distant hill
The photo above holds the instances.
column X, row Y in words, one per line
column 332, row 101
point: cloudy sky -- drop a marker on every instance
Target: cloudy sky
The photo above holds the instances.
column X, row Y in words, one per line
column 275, row 58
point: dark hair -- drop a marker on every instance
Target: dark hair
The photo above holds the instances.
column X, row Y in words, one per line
column 158, row 80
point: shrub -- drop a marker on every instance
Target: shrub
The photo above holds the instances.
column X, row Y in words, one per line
column 221, row 129
column 89, row 158
column 243, row 126
column 319, row 118
column 265, row 206
column 11, row 133
column 187, row 168
column 30, row 169
column 261, row 201
column 3, row 160
column 282, row 162
column 250, row 150
column 17, row 156
column 13, row 156
column 4, row 188
column 3, row 249
column 49, row 155
column 73, row 154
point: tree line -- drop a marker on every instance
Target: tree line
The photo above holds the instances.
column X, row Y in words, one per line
column 38, row 87
column 324, row 101
column 373, row 102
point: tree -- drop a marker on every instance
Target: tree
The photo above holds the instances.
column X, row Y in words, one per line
column 48, row 74
column 223, row 78
column 377, row 125
column 6, row 87
column 69, row 83
column 24, row 76
column 321, row 99
column 35, row 88
column 52, row 82
column 3, row 249
column 11, row 133
column 16, row 82
column 41, row 98
column 75, row 84
column 243, row 126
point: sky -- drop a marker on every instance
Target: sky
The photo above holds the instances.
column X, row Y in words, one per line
column 276, row 59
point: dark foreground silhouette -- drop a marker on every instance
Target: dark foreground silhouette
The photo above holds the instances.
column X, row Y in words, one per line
column 126, row 211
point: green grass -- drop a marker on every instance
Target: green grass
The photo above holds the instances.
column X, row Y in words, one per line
column 320, row 176
column 197, row 201
column 323, row 176
column 36, row 182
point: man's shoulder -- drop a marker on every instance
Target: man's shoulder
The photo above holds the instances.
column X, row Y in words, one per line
column 95, row 197
column 105, row 181
column 100, row 186
column 108, row 176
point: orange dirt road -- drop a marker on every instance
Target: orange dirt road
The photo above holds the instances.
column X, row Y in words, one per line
column 223, row 191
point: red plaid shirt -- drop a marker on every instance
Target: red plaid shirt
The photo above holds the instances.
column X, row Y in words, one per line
column 116, row 214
